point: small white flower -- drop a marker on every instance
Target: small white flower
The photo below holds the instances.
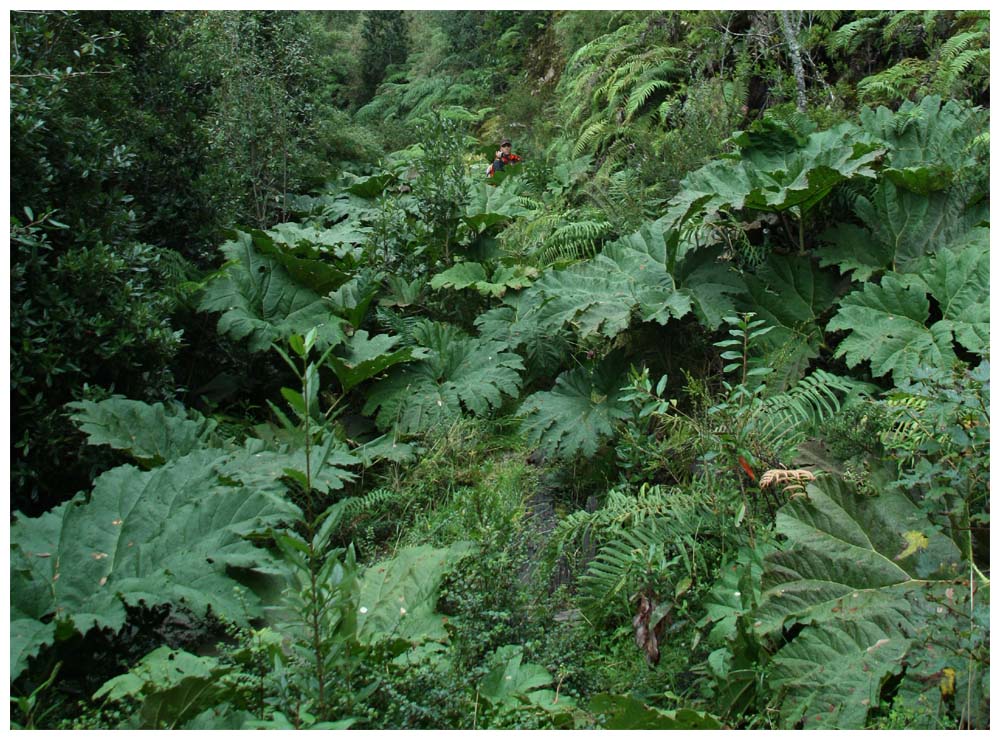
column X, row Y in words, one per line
column 736, row 593
column 402, row 611
column 363, row 610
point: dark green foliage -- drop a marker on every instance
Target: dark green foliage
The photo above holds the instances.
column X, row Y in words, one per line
column 98, row 315
column 386, row 39
column 591, row 443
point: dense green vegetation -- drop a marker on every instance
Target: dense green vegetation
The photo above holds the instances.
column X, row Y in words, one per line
column 683, row 422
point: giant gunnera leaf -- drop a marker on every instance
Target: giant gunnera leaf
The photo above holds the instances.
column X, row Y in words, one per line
column 261, row 303
column 459, row 372
column 928, row 198
column 766, row 177
column 362, row 357
column 165, row 536
column 398, row 596
column 649, row 275
column 863, row 577
column 889, row 323
column 790, row 293
column 473, row 275
column 152, row 434
column 579, row 413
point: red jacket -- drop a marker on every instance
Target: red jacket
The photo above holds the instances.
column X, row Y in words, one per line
column 500, row 162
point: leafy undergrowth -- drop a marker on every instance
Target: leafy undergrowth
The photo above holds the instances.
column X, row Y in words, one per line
column 681, row 422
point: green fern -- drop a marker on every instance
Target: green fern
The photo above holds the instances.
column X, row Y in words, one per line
column 849, row 37
column 903, row 79
column 650, row 540
column 786, row 419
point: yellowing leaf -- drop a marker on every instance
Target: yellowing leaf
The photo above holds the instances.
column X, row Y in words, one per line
column 914, row 541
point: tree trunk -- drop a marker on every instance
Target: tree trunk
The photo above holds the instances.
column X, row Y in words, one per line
column 796, row 57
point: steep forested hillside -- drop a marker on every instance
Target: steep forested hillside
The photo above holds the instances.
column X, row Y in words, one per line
column 678, row 419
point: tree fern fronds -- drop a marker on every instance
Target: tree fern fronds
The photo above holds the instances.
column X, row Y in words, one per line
column 851, row 35
column 959, row 43
column 786, row 419
column 571, row 242
column 638, row 97
column 594, row 130
column 963, row 63
column 909, row 428
column 398, row 324
column 357, row 505
column 651, row 556
column 623, row 509
column 903, row 26
column 978, row 19
column 529, row 203
column 896, row 83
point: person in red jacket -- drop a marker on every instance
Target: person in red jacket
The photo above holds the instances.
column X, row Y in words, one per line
column 503, row 157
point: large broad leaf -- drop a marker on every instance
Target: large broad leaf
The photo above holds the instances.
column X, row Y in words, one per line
column 510, row 678
column 260, row 302
column 831, row 677
column 579, row 413
column 373, row 186
column 888, row 328
column 697, row 273
column 264, row 470
column 341, row 241
column 309, row 270
column 650, row 275
column 362, row 357
column 600, row 296
column 352, row 299
column 152, row 434
column 460, row 275
column 929, row 143
column 901, row 227
column 171, row 685
column 398, row 596
column 888, row 322
column 790, row 293
column 473, row 275
column 864, row 576
column 854, row 250
column 490, row 203
column 960, row 283
column 775, row 178
column 849, row 557
column 929, row 197
column 627, row 713
column 459, row 372
column 164, row 536
column 513, row 325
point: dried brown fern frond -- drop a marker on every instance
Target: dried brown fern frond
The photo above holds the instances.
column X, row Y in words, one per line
column 790, row 480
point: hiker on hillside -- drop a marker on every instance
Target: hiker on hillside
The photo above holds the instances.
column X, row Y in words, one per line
column 502, row 158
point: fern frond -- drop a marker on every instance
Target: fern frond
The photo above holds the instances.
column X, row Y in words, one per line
column 398, row 324
column 638, row 97
column 909, row 428
column 787, row 418
column 851, row 35
column 962, row 64
column 584, row 142
column 902, row 25
column 896, row 83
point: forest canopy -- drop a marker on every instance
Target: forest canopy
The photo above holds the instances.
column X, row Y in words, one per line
column 329, row 411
